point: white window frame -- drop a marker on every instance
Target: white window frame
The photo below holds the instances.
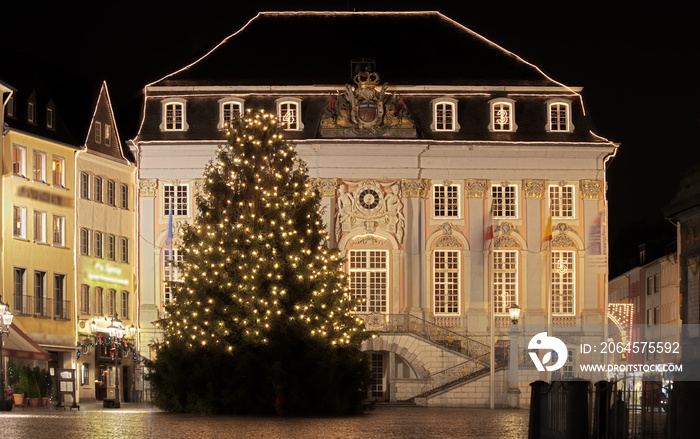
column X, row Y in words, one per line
column 447, row 281
column 98, row 132
column 111, row 301
column 31, row 112
column 85, row 186
column 223, row 110
column 99, row 301
column 554, row 123
column 108, row 135
column 369, row 279
column 124, row 196
column 505, row 280
column 171, row 121
column 19, row 290
column 19, row 221
column 563, row 282
column 496, row 121
column 39, row 226
column 503, row 209
column 286, row 121
column 59, row 230
column 562, row 201
column 85, row 241
column 440, row 106
column 171, row 258
column 445, row 195
column 111, row 248
column 58, row 171
column 124, row 250
column 10, row 107
column 98, row 189
column 177, row 196
column 84, row 299
column 49, row 118
column 19, row 161
column 40, row 293
column 111, row 196
column 125, row 304
column 98, row 244
column 39, row 166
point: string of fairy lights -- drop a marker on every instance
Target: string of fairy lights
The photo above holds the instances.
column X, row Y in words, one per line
column 256, row 255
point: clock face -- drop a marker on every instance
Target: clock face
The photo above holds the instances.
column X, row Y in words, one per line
column 369, row 199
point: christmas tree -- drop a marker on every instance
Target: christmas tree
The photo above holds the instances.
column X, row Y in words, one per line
column 263, row 319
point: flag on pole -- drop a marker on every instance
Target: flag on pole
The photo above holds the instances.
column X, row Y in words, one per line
column 169, row 239
column 548, row 229
column 488, row 232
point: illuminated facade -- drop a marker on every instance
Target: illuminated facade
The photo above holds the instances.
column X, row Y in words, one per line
column 453, row 191
column 38, row 281
column 105, row 239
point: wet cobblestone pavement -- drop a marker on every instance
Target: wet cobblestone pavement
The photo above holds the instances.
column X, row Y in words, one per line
column 141, row 421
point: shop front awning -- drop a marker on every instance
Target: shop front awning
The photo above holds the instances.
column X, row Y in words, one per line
column 18, row 345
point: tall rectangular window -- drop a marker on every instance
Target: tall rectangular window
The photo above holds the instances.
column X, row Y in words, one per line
column 49, row 118
column 171, row 259
column 59, row 297
column 59, row 172
column 505, row 280
column 84, row 299
column 98, row 243
column 98, row 132
column 20, row 290
column 99, row 301
column 124, row 250
column 444, row 116
column 505, row 201
column 229, row 112
column 111, row 193
column 108, row 135
column 111, row 302
column 561, row 201
column 124, row 196
column 174, row 112
column 40, row 293
column 84, row 242
column 39, row 170
column 288, row 115
column 446, row 281
column 19, row 222
column 559, row 117
column 31, row 112
column 111, row 247
column 175, row 198
column 39, row 226
column 97, row 186
column 501, row 116
column 59, row 230
column 563, row 278
column 446, row 201
column 19, row 161
column 369, row 274
column 85, row 185
column 125, row 304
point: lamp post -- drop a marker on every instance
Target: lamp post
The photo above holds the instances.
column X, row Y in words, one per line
column 514, row 330
column 7, row 317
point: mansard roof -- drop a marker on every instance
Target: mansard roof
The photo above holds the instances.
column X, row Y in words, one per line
column 304, row 48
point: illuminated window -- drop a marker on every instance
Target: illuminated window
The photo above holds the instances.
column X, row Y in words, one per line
column 229, row 109
column 39, row 169
column 174, row 115
column 445, row 115
column 288, row 114
column 19, row 222
column 20, row 290
column 59, row 172
column 111, row 193
column 502, row 117
column 85, row 242
column 98, row 132
column 40, row 293
column 19, row 161
column 59, row 297
column 111, row 247
column 111, row 302
column 59, row 230
column 85, row 185
column 559, row 119
column 175, row 197
column 97, row 187
column 561, row 201
column 124, row 250
column 563, row 277
column 85, row 374
column 446, row 281
column 98, row 244
column 84, row 299
column 505, row 200
column 505, row 280
column 124, row 196
column 108, row 135
column 125, row 304
column 39, row 226
column 369, row 274
column 171, row 259
column 446, row 201
column 99, row 301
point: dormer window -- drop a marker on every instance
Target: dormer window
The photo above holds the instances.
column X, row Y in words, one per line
column 49, row 118
column 229, row 109
column 559, row 117
column 445, row 115
column 10, row 107
column 98, row 132
column 288, row 114
column 174, row 115
column 31, row 112
column 108, row 135
column 502, row 116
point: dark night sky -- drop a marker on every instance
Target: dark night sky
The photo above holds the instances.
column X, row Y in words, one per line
column 637, row 61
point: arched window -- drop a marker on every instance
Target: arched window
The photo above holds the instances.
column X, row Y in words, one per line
column 502, row 116
column 445, row 115
column 289, row 114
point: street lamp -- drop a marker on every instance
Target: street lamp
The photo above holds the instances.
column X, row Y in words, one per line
column 514, row 312
column 7, row 317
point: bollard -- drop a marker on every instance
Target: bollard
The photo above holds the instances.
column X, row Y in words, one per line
column 577, row 409
column 602, row 407
column 539, row 420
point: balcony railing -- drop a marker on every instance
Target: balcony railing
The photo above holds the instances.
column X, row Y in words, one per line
column 44, row 308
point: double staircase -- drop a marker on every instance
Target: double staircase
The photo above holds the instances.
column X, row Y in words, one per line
column 476, row 355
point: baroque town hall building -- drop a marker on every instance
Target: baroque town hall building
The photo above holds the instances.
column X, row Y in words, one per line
column 457, row 180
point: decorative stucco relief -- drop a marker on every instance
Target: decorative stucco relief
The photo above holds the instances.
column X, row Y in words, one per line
column 475, row 188
column 414, row 188
column 533, row 188
column 324, row 186
column 370, row 208
column 147, row 188
column 590, row 189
